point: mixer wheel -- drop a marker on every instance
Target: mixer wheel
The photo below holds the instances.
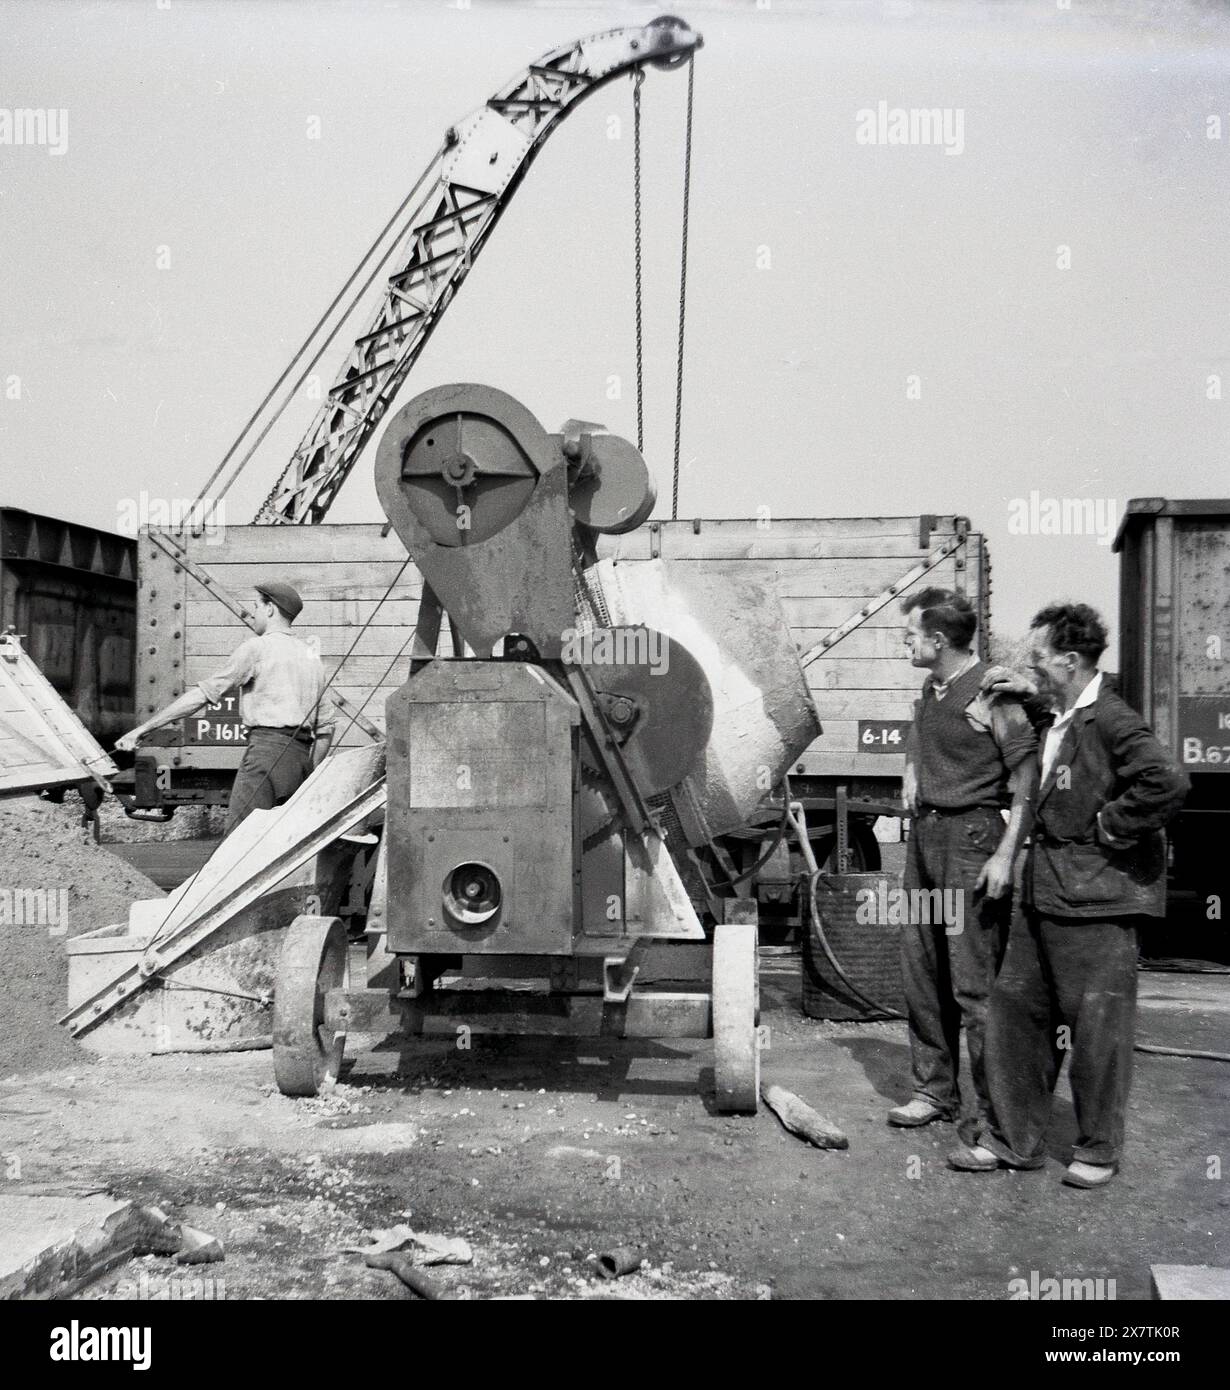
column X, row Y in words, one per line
column 307, row 1056
column 736, row 1051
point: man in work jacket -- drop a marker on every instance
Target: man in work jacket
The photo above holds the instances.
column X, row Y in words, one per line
column 963, row 752
column 283, row 703
column 1096, row 869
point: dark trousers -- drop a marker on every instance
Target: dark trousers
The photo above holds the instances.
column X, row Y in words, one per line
column 948, row 967
column 274, row 767
column 1067, row 985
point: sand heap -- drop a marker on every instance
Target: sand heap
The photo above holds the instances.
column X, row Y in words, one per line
column 78, row 886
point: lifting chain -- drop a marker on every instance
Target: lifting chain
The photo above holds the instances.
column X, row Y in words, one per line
column 638, row 77
column 683, row 290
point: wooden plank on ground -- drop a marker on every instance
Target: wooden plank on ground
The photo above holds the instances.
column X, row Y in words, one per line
column 1181, row 1282
column 799, row 1118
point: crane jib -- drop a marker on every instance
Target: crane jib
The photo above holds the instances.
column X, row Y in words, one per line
column 467, row 186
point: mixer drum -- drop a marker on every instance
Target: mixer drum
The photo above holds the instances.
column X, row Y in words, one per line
column 763, row 713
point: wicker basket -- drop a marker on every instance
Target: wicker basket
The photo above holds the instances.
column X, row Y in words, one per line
column 869, row 953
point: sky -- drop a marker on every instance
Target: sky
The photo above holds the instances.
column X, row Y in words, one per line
column 1036, row 308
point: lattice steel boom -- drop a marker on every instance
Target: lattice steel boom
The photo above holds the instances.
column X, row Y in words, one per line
column 483, row 160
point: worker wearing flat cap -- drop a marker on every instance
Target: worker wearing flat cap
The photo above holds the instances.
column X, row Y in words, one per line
column 283, row 703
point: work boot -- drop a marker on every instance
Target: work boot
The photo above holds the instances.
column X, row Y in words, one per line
column 915, row 1113
column 1089, row 1174
column 972, row 1158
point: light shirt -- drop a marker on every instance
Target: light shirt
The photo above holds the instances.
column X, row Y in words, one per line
column 1056, row 733
column 940, row 688
column 281, row 684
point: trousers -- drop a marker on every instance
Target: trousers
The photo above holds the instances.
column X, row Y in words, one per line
column 948, row 966
column 1067, row 987
column 274, row 767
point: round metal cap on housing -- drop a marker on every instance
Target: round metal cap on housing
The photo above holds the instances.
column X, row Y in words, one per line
column 472, row 893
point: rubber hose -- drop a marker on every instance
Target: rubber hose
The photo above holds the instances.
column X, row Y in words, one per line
column 873, row 1004
column 768, row 854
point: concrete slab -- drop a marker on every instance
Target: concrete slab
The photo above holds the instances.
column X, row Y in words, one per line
column 1184, row 993
column 51, row 1246
column 1190, row 1281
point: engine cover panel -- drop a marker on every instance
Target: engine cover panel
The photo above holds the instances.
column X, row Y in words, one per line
column 480, row 823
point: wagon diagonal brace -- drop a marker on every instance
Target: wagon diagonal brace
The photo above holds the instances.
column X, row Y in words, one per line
column 157, row 958
column 885, row 596
column 172, row 548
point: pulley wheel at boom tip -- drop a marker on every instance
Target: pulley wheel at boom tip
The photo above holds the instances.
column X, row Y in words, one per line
column 680, row 30
column 669, row 703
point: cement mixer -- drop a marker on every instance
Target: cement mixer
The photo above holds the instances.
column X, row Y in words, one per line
column 548, row 781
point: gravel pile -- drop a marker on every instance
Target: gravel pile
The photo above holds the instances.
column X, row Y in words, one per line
column 51, row 872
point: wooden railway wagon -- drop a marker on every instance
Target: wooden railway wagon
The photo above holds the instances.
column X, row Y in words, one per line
column 840, row 581
column 70, row 591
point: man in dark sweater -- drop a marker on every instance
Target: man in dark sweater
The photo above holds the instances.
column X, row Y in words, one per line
column 1096, row 869
column 968, row 759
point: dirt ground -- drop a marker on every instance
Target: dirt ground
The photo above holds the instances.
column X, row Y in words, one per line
column 544, row 1153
